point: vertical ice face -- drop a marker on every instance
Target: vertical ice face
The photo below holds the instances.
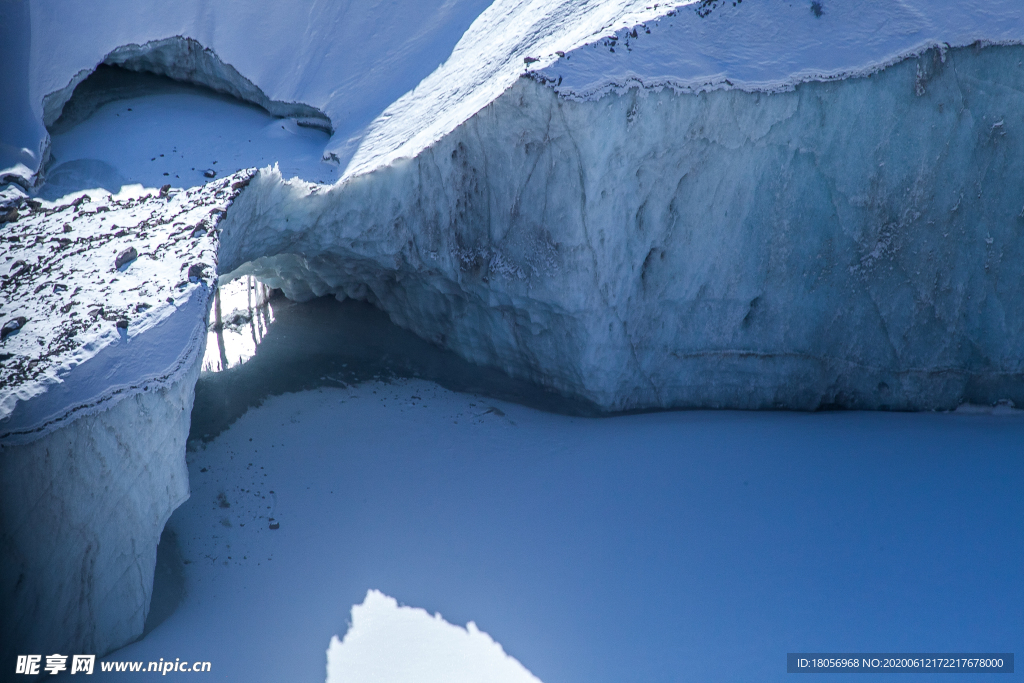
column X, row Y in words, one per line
column 110, row 293
column 81, row 512
column 853, row 243
column 387, row 643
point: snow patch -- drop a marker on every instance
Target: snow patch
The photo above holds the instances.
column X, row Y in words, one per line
column 388, row 643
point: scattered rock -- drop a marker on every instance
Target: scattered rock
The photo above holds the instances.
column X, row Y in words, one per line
column 9, row 216
column 165, row 189
column 125, row 257
column 530, row 60
column 210, row 173
column 12, row 326
column 274, row 524
column 196, row 272
column 122, row 324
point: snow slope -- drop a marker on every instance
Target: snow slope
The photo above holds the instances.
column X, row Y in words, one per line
column 92, row 328
column 371, row 70
column 348, row 59
column 771, row 45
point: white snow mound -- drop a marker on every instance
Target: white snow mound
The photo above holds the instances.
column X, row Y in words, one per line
column 388, row 643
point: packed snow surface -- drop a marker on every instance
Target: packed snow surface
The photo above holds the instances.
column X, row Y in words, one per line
column 163, row 132
column 771, row 45
column 659, row 547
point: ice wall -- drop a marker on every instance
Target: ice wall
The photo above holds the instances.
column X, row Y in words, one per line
column 854, row 243
column 81, row 513
column 104, row 300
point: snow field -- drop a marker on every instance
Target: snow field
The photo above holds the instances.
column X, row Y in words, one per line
column 666, row 546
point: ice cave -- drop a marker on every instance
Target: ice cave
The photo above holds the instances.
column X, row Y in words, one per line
column 648, row 342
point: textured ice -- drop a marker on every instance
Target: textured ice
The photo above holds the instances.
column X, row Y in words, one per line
column 81, row 511
column 854, row 243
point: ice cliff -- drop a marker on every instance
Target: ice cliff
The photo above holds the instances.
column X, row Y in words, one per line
column 853, row 243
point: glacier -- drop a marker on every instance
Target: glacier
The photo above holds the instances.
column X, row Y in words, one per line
column 708, row 206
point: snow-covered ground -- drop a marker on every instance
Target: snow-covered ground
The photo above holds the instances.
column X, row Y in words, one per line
column 693, row 546
column 771, row 45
